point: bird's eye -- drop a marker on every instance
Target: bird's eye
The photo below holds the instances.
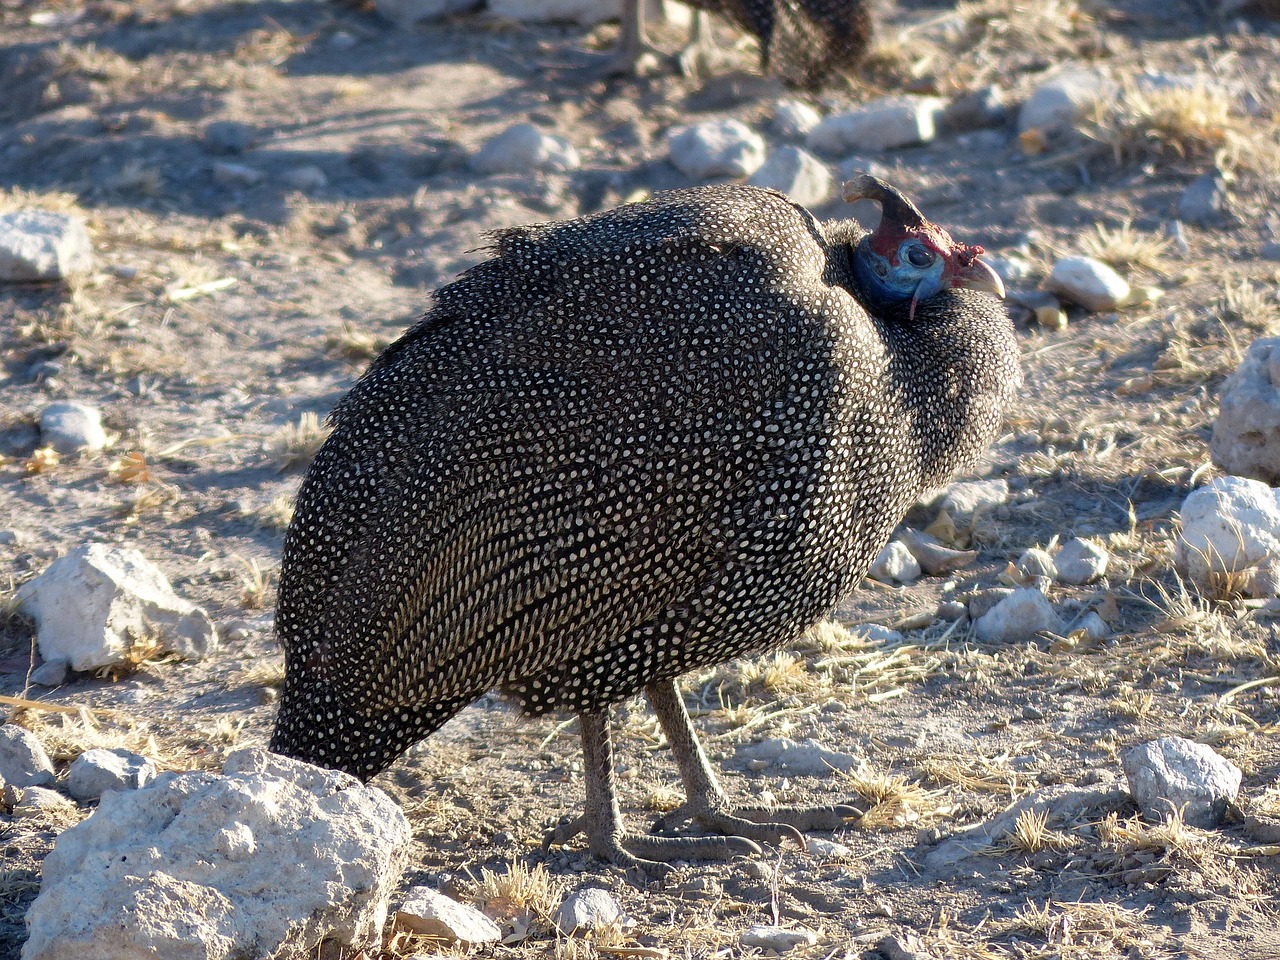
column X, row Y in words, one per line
column 918, row 255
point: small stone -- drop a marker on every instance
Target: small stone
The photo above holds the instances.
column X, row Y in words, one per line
column 1045, row 309
column 96, row 771
column 306, row 178
column 1228, row 526
column 716, row 148
column 1081, row 561
column 41, row 802
column 408, row 12
column 229, row 136
column 1206, row 202
column 884, row 124
column 934, row 558
column 430, row 914
column 522, row 148
column 92, row 604
column 875, row 633
column 1036, row 562
column 806, row 759
column 343, row 41
column 23, row 761
column 799, row 174
column 1056, row 104
column 42, row 245
column 72, row 428
column 951, row 610
column 895, row 564
column 827, row 849
column 984, row 107
column 236, row 174
column 1270, row 251
column 1018, row 618
column 1246, row 433
column 589, row 909
column 1094, row 626
column 777, row 939
column 1175, row 774
column 51, row 673
column 793, row 119
column 1090, row 283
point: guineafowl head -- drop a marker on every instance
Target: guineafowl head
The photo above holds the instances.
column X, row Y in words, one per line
column 909, row 258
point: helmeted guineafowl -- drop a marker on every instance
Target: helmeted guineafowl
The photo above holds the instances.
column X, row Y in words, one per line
column 625, row 447
column 804, row 42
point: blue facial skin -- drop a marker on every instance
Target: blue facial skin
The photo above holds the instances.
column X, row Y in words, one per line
column 917, row 276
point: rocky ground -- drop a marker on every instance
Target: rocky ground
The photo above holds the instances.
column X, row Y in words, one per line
column 271, row 190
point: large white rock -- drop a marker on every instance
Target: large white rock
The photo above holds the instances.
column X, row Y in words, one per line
column 793, row 119
column 797, row 173
column 72, row 428
column 1174, row 773
column 883, row 124
column 93, row 604
column 42, row 245
column 1081, row 561
column 1229, row 525
column 405, row 12
column 589, row 909
column 96, row 771
column 1018, row 617
column 522, row 148
column 432, row 914
column 585, row 12
column 895, row 563
column 23, row 760
column 715, row 148
column 1058, row 102
column 1246, row 435
column 1090, row 283
column 267, row 859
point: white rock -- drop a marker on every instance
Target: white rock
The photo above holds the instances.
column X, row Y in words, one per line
column 1206, row 201
column 827, row 849
column 1228, row 525
column 1081, row 561
column 305, row 178
column 51, row 673
column 72, row 428
column 777, row 939
column 236, row 174
column 875, row 633
column 716, row 148
column 807, row 758
column 405, row 12
column 270, row 858
column 42, row 245
column 1036, row 562
column 895, row 563
column 584, row 12
column 431, row 914
column 588, row 909
column 23, row 760
column 1018, row 617
column 41, row 802
column 1094, row 626
column 797, row 173
column 96, row 771
column 965, row 498
column 522, row 148
column 1090, row 283
column 1059, row 101
column 934, row 558
column 793, row 119
column 1174, row 773
column 1246, row 435
column 883, row 124
column 92, row 604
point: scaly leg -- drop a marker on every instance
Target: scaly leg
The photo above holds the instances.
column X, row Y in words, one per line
column 701, row 57
column 706, row 802
column 634, row 56
column 602, row 820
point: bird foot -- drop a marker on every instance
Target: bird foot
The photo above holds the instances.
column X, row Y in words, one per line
column 700, row 60
column 643, row 61
column 769, row 825
column 645, row 857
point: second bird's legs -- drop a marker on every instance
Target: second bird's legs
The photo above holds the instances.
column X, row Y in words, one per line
column 707, row 803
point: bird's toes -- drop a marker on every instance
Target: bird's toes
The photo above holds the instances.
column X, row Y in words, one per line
column 563, row 832
column 831, row 817
column 690, row 848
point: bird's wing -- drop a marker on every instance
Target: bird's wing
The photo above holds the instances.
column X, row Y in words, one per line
column 583, row 433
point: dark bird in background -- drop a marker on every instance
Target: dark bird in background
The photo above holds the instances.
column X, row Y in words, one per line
column 803, row 42
column 626, row 447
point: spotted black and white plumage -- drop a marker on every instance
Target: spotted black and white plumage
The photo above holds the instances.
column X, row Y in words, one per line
column 624, row 447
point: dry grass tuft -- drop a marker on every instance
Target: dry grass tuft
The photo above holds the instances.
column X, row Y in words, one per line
column 354, row 344
column 1030, row 834
column 1125, row 247
column 1129, row 703
column 273, row 515
column 780, row 673
column 295, row 445
column 662, row 798
column 994, row 775
column 894, row 801
column 1196, row 122
column 256, row 585
column 522, row 900
column 1082, row 931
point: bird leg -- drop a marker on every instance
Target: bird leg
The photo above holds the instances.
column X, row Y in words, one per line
column 633, row 55
column 707, row 803
column 701, row 57
column 638, row 854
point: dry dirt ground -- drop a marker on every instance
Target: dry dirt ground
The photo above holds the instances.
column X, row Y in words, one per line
column 221, row 315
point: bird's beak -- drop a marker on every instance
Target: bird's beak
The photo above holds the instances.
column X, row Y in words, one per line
column 978, row 275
